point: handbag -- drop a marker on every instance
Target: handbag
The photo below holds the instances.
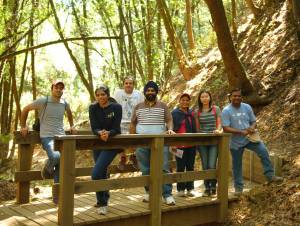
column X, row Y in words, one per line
column 36, row 125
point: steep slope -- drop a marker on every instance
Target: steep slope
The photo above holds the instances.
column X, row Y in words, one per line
column 270, row 53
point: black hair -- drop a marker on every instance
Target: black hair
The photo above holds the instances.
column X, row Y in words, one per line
column 235, row 90
column 232, row 91
column 200, row 105
column 103, row 88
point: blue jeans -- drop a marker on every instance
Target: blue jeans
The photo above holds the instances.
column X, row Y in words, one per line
column 237, row 157
column 209, row 155
column 143, row 157
column 52, row 164
column 102, row 160
column 186, row 163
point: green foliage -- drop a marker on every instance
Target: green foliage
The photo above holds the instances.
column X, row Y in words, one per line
column 5, row 138
column 103, row 19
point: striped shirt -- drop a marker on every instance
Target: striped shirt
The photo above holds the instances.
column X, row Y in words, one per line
column 151, row 119
column 208, row 120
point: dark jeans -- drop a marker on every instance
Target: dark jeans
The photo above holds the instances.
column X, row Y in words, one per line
column 102, row 160
column 186, row 163
column 209, row 155
column 237, row 163
column 53, row 157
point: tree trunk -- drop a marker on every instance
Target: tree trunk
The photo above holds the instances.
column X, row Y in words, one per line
column 236, row 74
column 148, row 39
column 130, row 38
column 4, row 120
column 185, row 66
column 73, row 58
column 296, row 13
column 254, row 10
column 6, row 108
column 83, row 30
column 121, row 45
column 33, row 77
column 23, row 71
column 233, row 17
column 132, row 67
column 189, row 26
column 111, row 44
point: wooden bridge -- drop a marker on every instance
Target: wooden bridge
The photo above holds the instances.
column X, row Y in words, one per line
column 77, row 198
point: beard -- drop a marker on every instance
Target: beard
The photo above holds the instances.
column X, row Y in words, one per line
column 151, row 97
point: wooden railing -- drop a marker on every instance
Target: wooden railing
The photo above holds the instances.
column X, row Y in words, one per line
column 68, row 186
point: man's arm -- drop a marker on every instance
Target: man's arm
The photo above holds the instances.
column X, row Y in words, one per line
column 133, row 123
column 70, row 119
column 229, row 129
column 24, row 115
column 169, row 121
column 132, row 128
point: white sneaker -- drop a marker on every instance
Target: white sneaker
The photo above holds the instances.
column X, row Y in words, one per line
column 102, row 210
column 180, row 194
column 146, row 197
column 170, row 201
column 190, row 193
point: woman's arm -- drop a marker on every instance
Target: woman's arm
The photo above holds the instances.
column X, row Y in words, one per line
column 93, row 120
column 116, row 129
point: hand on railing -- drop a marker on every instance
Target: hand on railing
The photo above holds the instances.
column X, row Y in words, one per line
column 24, row 131
column 218, row 131
column 104, row 134
column 170, row 132
column 73, row 130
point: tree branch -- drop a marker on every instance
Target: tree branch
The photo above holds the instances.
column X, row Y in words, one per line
column 3, row 57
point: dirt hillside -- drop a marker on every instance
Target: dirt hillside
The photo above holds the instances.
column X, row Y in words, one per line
column 270, row 52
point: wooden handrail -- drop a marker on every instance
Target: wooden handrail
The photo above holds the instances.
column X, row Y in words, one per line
column 67, row 144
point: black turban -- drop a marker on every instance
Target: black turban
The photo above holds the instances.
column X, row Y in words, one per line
column 151, row 84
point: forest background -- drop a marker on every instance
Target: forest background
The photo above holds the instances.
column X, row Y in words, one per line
column 86, row 43
column 184, row 46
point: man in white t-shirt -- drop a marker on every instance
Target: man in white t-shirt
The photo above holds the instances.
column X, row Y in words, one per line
column 128, row 97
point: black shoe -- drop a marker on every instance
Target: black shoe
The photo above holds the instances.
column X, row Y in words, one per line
column 55, row 194
column 97, row 205
column 45, row 171
column 213, row 192
column 206, row 193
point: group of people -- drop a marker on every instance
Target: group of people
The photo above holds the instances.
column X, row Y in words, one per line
column 133, row 112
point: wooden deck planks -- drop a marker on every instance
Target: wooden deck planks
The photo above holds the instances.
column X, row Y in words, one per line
column 40, row 219
column 88, row 203
column 123, row 204
column 11, row 215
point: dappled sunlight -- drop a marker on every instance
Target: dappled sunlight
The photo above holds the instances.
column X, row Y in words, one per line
column 297, row 161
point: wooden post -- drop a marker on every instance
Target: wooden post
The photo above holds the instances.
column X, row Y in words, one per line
column 25, row 152
column 66, row 180
column 222, row 177
column 156, row 178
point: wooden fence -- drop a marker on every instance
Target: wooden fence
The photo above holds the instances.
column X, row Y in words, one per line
column 68, row 144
